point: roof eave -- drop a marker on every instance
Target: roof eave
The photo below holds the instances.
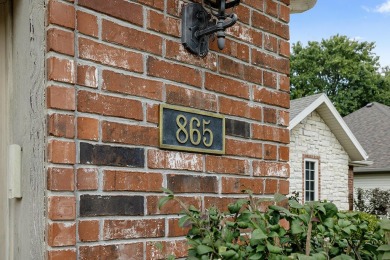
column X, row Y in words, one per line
column 300, row 6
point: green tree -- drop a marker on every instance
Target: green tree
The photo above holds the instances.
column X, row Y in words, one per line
column 347, row 70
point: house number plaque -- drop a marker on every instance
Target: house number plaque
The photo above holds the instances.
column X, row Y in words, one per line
column 191, row 130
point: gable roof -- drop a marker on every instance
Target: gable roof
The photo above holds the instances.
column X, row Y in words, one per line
column 371, row 126
column 302, row 107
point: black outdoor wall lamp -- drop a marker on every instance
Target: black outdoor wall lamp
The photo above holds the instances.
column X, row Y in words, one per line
column 198, row 24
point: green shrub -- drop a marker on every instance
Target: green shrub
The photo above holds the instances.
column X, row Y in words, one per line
column 316, row 230
column 373, row 201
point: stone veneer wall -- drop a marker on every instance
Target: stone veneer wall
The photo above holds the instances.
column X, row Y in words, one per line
column 312, row 137
column 109, row 66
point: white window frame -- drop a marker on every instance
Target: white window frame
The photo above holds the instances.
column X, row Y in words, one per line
column 316, row 179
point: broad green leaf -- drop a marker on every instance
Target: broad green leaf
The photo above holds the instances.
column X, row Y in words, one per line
column 163, row 201
column 386, row 256
column 279, row 197
column 183, row 221
column 274, row 249
column 331, row 209
column 167, row 191
column 342, row 257
column 384, row 248
column 295, row 204
column 385, row 224
column 228, row 254
column 258, row 234
column 296, row 227
column 193, row 209
column 329, row 222
column 256, row 256
column 202, row 249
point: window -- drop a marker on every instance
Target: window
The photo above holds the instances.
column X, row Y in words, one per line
column 311, row 180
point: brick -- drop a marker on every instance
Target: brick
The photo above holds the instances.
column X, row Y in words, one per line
column 87, row 24
column 121, row 9
column 226, row 165
column 129, row 134
column 174, row 7
column 87, row 179
column 269, row 115
column 132, row 38
column 174, row 230
column 61, row 208
column 271, row 186
column 61, row 98
column 190, row 98
column 239, row 108
column 271, row 8
column 220, row 202
column 111, row 56
column 284, row 13
column 68, row 254
column 62, row 70
column 284, row 83
column 283, row 118
column 130, row 229
column 172, row 206
column 61, row 14
column 271, row 97
column 132, row 181
column 90, row 102
column 240, row 185
column 176, row 51
column 152, row 113
column 190, row 183
column 174, row 72
column 163, row 24
column 270, row 43
column 271, row 62
column 270, row 79
column 244, row 148
column 243, row 13
column 96, row 205
column 269, row 133
column 257, row 4
column 240, row 70
column 158, row 4
column 61, row 234
column 263, row 22
column 60, row 179
column 61, row 125
column 177, row 248
column 88, row 128
column 132, row 251
column 284, row 187
column 135, row 86
column 271, row 169
column 270, row 152
column 246, row 34
column 61, row 152
column 284, row 153
column 237, row 128
column 226, row 86
column 111, row 155
column 158, row 159
column 60, row 41
column 88, row 230
column 87, row 76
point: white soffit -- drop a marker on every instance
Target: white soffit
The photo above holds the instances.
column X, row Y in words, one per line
column 335, row 122
column 300, row 6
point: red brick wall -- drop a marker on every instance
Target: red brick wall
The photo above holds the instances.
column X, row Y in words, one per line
column 109, row 66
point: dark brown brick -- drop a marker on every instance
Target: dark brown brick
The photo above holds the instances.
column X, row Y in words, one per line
column 96, row 205
column 111, row 155
column 237, row 128
column 189, row 183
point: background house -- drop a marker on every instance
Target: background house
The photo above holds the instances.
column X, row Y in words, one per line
column 323, row 152
column 371, row 126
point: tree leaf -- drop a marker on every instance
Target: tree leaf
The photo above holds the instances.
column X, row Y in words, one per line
column 163, row 201
column 295, row 204
column 274, row 249
column 258, row 234
column 296, row 227
column 202, row 249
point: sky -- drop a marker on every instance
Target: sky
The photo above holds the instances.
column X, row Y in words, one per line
column 362, row 20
